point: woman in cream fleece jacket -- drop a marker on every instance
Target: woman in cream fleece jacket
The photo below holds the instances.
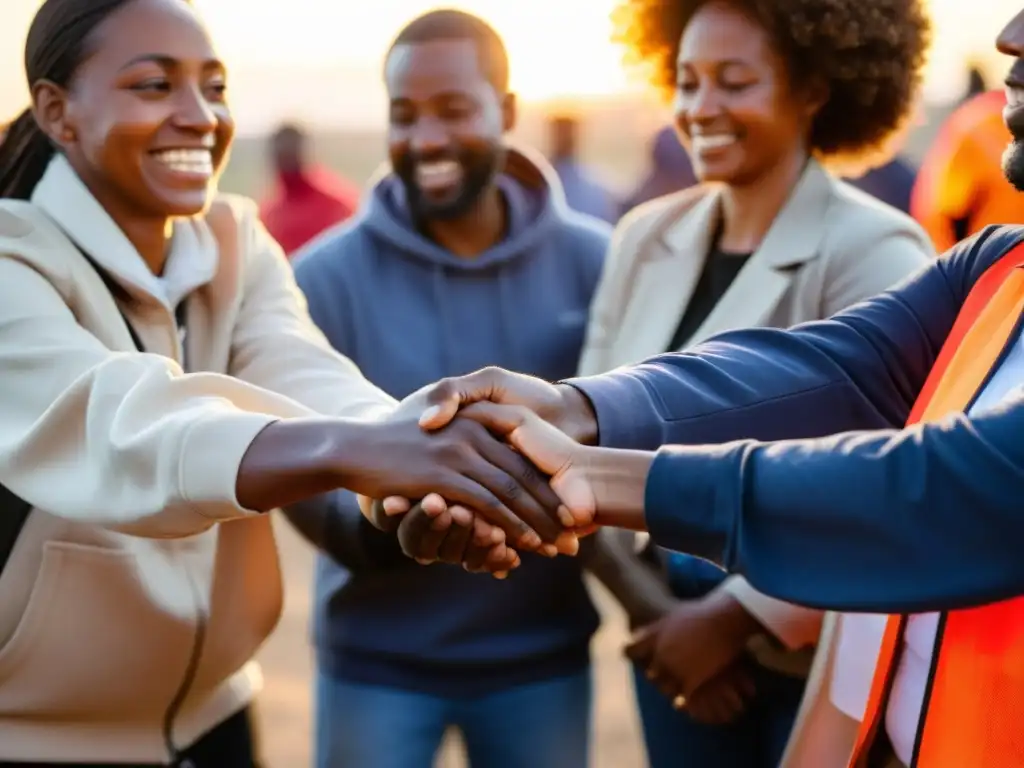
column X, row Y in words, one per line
column 135, row 593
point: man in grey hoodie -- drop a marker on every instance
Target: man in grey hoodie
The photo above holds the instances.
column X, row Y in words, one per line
column 464, row 255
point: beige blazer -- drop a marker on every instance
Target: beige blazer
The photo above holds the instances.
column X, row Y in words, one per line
column 137, row 539
column 830, row 247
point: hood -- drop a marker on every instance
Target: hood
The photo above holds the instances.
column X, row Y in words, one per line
column 532, row 190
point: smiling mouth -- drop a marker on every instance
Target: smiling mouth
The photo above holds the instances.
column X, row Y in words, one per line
column 190, row 162
column 438, row 176
column 709, row 142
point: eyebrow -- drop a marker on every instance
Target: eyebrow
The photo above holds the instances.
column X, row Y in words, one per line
column 168, row 62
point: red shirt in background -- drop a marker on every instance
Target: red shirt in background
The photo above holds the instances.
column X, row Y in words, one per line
column 304, row 204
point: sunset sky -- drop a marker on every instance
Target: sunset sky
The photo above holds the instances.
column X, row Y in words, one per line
column 312, row 59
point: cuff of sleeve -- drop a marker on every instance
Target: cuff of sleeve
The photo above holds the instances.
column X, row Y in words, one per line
column 626, row 416
column 794, row 626
column 211, row 455
column 693, row 498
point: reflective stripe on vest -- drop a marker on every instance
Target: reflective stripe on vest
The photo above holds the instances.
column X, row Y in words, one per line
column 978, row 665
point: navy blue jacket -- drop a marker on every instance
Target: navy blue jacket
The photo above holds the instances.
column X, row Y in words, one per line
column 893, row 521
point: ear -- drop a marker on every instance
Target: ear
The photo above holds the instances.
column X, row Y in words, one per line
column 815, row 97
column 509, row 112
column 51, row 110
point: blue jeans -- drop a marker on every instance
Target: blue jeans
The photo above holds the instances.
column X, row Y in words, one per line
column 756, row 740
column 538, row 725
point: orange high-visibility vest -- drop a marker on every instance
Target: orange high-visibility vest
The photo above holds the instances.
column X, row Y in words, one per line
column 973, row 711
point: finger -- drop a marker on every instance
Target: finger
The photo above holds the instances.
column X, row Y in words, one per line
column 516, row 482
column 485, row 534
column 433, row 504
column 396, row 505
column 453, row 546
column 381, row 519
column 640, row 647
column 420, row 535
column 466, row 490
column 466, row 518
column 567, row 543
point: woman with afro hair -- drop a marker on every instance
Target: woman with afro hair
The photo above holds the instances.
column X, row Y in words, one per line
column 770, row 98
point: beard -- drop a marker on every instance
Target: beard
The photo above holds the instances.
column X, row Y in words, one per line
column 1013, row 164
column 479, row 168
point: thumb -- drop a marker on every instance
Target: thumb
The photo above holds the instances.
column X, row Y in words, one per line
column 448, row 395
column 641, row 645
column 437, row 416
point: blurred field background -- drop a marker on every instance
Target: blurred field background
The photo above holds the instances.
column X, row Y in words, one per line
column 616, row 137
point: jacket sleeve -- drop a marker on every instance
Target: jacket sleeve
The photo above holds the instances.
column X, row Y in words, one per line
column 278, row 347
column 862, row 266
column 877, row 522
column 122, row 440
column 860, row 369
column 333, row 522
column 610, row 296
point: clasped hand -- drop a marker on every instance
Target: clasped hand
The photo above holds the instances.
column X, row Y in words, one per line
column 518, row 483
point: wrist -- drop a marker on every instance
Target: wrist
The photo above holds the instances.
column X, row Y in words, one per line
column 736, row 620
column 576, row 416
column 618, row 480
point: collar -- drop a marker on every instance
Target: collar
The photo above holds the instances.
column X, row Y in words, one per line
column 192, row 256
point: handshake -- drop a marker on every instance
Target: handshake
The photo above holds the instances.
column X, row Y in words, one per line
column 482, row 467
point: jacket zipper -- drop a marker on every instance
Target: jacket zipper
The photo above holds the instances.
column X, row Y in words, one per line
column 177, row 760
column 188, row 679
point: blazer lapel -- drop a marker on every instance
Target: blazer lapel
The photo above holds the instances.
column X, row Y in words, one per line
column 794, row 239
column 664, row 278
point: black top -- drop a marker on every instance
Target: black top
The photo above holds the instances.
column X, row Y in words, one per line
column 719, row 270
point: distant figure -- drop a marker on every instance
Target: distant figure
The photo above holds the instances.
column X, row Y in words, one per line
column 670, row 170
column 892, row 183
column 583, row 193
column 307, row 199
column 976, row 83
column 960, row 187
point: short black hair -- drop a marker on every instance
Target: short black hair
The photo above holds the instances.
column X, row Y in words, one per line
column 452, row 24
column 290, row 131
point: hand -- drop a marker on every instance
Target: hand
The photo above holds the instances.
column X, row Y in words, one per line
column 389, row 515
column 463, row 463
column 724, row 697
column 693, row 643
column 432, row 532
column 559, row 404
column 552, row 451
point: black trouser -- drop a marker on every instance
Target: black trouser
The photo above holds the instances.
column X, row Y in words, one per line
column 232, row 744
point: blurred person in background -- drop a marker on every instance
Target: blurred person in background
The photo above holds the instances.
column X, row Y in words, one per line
column 765, row 97
column 582, row 191
column 306, row 198
column 464, row 254
column 892, row 183
column 669, row 170
column 163, row 390
column 960, row 186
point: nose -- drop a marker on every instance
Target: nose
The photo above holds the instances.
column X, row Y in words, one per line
column 701, row 105
column 428, row 136
column 1011, row 39
column 194, row 111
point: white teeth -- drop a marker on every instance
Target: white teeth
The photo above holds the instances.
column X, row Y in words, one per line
column 192, row 161
column 1014, row 96
column 438, row 174
column 713, row 141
